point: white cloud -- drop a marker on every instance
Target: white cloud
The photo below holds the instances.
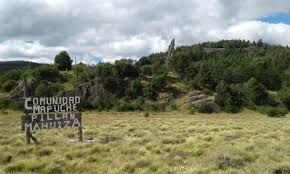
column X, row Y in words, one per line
column 253, row 30
column 129, row 28
column 18, row 49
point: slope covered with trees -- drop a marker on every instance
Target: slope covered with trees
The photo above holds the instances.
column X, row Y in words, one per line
column 239, row 74
column 10, row 65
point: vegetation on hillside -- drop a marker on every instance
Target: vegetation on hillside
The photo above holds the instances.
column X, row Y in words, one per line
column 238, row 73
column 10, row 65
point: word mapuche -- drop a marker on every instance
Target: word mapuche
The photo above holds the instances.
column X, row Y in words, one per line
column 52, row 104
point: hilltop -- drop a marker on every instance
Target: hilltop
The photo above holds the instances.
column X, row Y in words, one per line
column 10, row 65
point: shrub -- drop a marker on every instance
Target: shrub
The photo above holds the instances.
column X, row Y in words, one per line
column 192, row 111
column 101, row 104
column 274, row 111
column 146, row 70
column 232, row 109
column 159, row 82
column 229, row 98
column 4, row 112
column 47, row 89
column 46, row 72
column 173, row 107
column 9, row 85
column 4, row 103
column 146, row 114
column 139, row 104
column 273, row 100
column 16, row 105
column 5, row 159
column 135, row 88
column 277, row 112
column 154, row 106
column 256, row 92
column 285, row 97
column 206, row 108
column 123, row 105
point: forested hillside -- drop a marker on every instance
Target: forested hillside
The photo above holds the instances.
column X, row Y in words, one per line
column 237, row 74
column 10, row 65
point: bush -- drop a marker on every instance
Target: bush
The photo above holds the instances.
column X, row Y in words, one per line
column 4, row 112
column 173, row 107
column 46, row 72
column 153, row 106
column 273, row 100
column 47, row 89
column 159, row 82
column 257, row 92
column 285, row 97
column 229, row 98
column 206, row 108
column 4, row 103
column 9, row 85
column 139, row 104
column 135, row 88
column 101, row 104
column 146, row 114
column 5, row 159
column 192, row 111
column 123, row 106
column 16, row 105
column 232, row 109
column 274, row 111
column 146, row 70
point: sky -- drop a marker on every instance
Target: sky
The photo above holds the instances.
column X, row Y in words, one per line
column 90, row 30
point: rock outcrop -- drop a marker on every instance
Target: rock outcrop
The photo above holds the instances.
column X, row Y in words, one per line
column 198, row 99
column 89, row 91
column 23, row 89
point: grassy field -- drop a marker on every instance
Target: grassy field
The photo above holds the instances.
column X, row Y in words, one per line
column 161, row 143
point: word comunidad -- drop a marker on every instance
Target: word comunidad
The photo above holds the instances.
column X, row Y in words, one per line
column 52, row 104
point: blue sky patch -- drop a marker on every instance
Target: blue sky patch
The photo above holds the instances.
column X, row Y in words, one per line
column 96, row 60
column 2, row 39
column 278, row 18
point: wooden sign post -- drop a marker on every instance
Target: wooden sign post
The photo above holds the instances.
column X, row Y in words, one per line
column 51, row 113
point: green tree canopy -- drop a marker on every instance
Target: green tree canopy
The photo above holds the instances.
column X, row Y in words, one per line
column 256, row 92
column 63, row 61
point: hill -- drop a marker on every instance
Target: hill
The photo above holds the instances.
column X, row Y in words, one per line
column 232, row 75
column 10, row 65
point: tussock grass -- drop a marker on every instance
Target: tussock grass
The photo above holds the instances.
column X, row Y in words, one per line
column 173, row 142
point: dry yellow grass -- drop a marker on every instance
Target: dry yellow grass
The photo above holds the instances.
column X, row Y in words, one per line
column 172, row 142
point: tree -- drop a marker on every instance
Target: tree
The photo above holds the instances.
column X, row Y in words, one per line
column 125, row 68
column 260, row 43
column 47, row 89
column 257, row 92
column 135, row 88
column 159, row 82
column 228, row 98
column 45, row 72
column 63, row 61
column 8, row 85
column 205, row 77
column 285, row 97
